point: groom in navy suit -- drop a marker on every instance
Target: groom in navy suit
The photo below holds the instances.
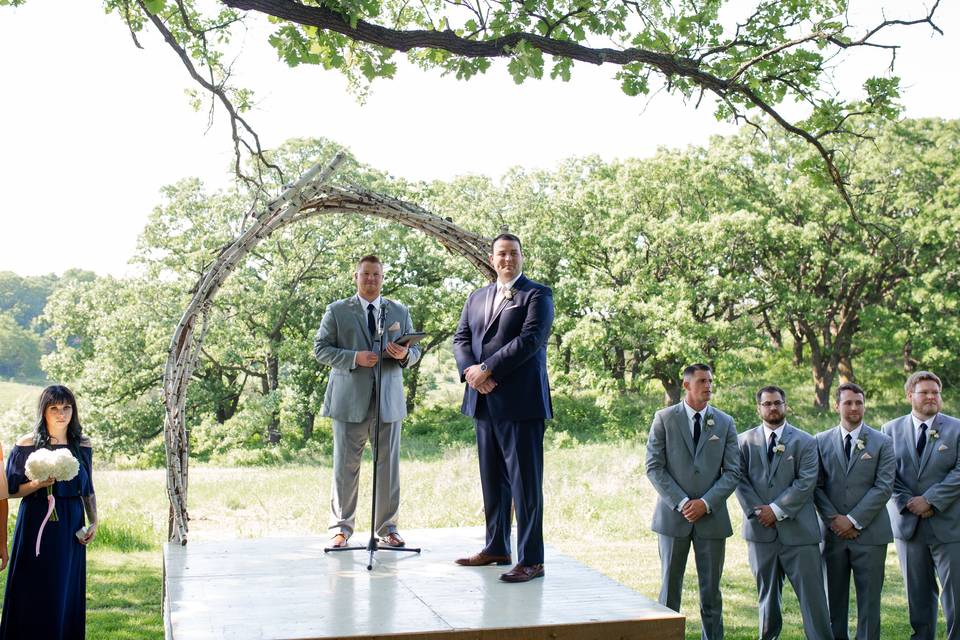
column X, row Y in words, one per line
column 501, row 352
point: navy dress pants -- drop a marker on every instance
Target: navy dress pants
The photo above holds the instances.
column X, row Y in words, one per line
column 511, row 470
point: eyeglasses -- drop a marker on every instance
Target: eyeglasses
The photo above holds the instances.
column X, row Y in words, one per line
column 62, row 409
column 770, row 405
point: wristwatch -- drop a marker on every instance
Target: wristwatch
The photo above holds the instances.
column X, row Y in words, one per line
column 483, row 367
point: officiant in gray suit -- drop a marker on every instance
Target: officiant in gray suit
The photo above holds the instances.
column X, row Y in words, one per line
column 779, row 469
column 924, row 509
column 693, row 463
column 856, row 479
column 346, row 342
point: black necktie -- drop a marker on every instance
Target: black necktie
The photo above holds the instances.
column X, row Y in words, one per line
column 846, row 447
column 371, row 323
column 696, row 429
column 922, row 440
column 771, row 447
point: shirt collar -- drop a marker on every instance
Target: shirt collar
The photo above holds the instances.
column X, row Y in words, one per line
column 376, row 303
column 508, row 285
column 854, row 435
column 690, row 411
column 767, row 431
column 917, row 422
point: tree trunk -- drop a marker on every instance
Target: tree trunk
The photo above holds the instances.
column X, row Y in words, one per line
column 909, row 362
column 308, row 421
column 619, row 368
column 797, row 352
column 845, row 369
column 412, row 380
column 270, row 384
column 671, row 390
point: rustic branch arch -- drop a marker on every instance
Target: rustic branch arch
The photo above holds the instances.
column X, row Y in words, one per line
column 310, row 196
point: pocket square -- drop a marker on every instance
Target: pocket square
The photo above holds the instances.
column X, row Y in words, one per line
column 714, row 437
column 789, row 458
column 942, row 447
column 866, row 456
column 394, row 327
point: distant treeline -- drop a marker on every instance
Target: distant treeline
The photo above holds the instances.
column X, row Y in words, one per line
column 740, row 254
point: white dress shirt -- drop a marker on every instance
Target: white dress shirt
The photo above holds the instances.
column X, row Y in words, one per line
column 854, row 436
column 376, row 314
column 777, row 511
column 916, row 427
column 703, row 415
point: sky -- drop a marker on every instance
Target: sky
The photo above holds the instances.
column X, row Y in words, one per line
column 92, row 127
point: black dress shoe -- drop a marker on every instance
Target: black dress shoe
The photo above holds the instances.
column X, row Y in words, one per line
column 482, row 559
column 523, row 573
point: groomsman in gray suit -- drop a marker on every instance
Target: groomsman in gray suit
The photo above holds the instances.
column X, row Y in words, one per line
column 346, row 341
column 779, row 469
column 693, row 463
column 924, row 508
column 856, row 479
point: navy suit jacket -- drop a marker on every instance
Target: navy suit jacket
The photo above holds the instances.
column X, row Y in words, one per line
column 513, row 344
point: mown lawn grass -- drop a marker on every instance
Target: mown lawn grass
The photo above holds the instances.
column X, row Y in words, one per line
column 598, row 509
column 13, row 392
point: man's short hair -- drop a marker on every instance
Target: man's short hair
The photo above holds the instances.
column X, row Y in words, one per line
column 920, row 376
column 850, row 386
column 369, row 258
column 506, row 236
column 690, row 370
column 772, row 388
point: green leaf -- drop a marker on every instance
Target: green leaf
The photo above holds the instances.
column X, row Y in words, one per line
column 154, row 6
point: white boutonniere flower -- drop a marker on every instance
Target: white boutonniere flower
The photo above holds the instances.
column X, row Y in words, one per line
column 508, row 294
column 779, row 448
column 933, row 433
column 710, row 421
column 860, row 444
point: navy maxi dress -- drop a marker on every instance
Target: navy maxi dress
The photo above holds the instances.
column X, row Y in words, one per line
column 46, row 594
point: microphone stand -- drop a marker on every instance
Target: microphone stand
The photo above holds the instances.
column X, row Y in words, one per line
column 373, row 544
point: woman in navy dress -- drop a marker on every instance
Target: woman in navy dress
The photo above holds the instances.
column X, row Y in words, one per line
column 46, row 594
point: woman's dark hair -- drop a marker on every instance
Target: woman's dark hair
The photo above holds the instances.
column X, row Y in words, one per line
column 57, row 394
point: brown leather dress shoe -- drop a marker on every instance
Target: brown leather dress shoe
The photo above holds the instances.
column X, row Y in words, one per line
column 482, row 559
column 339, row 540
column 523, row 573
column 393, row 539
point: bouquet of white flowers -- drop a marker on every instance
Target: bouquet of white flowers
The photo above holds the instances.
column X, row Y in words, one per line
column 59, row 464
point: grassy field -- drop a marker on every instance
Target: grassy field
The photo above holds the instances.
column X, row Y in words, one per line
column 13, row 392
column 598, row 509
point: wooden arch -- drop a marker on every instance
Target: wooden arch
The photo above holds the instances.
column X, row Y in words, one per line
column 310, row 196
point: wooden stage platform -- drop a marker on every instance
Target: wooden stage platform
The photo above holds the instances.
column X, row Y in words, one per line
column 288, row 588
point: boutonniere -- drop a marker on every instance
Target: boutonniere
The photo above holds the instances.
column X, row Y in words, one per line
column 860, row 444
column 933, row 433
column 508, row 294
column 710, row 421
column 779, row 448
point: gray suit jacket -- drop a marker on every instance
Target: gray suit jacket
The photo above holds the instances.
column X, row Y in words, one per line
column 677, row 471
column 858, row 488
column 789, row 481
column 342, row 333
column 935, row 476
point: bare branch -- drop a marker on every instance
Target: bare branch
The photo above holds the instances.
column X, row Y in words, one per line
column 217, row 89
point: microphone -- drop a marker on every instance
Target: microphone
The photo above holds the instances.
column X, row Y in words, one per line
column 381, row 319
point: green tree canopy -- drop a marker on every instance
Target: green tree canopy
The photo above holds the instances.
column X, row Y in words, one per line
column 753, row 57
